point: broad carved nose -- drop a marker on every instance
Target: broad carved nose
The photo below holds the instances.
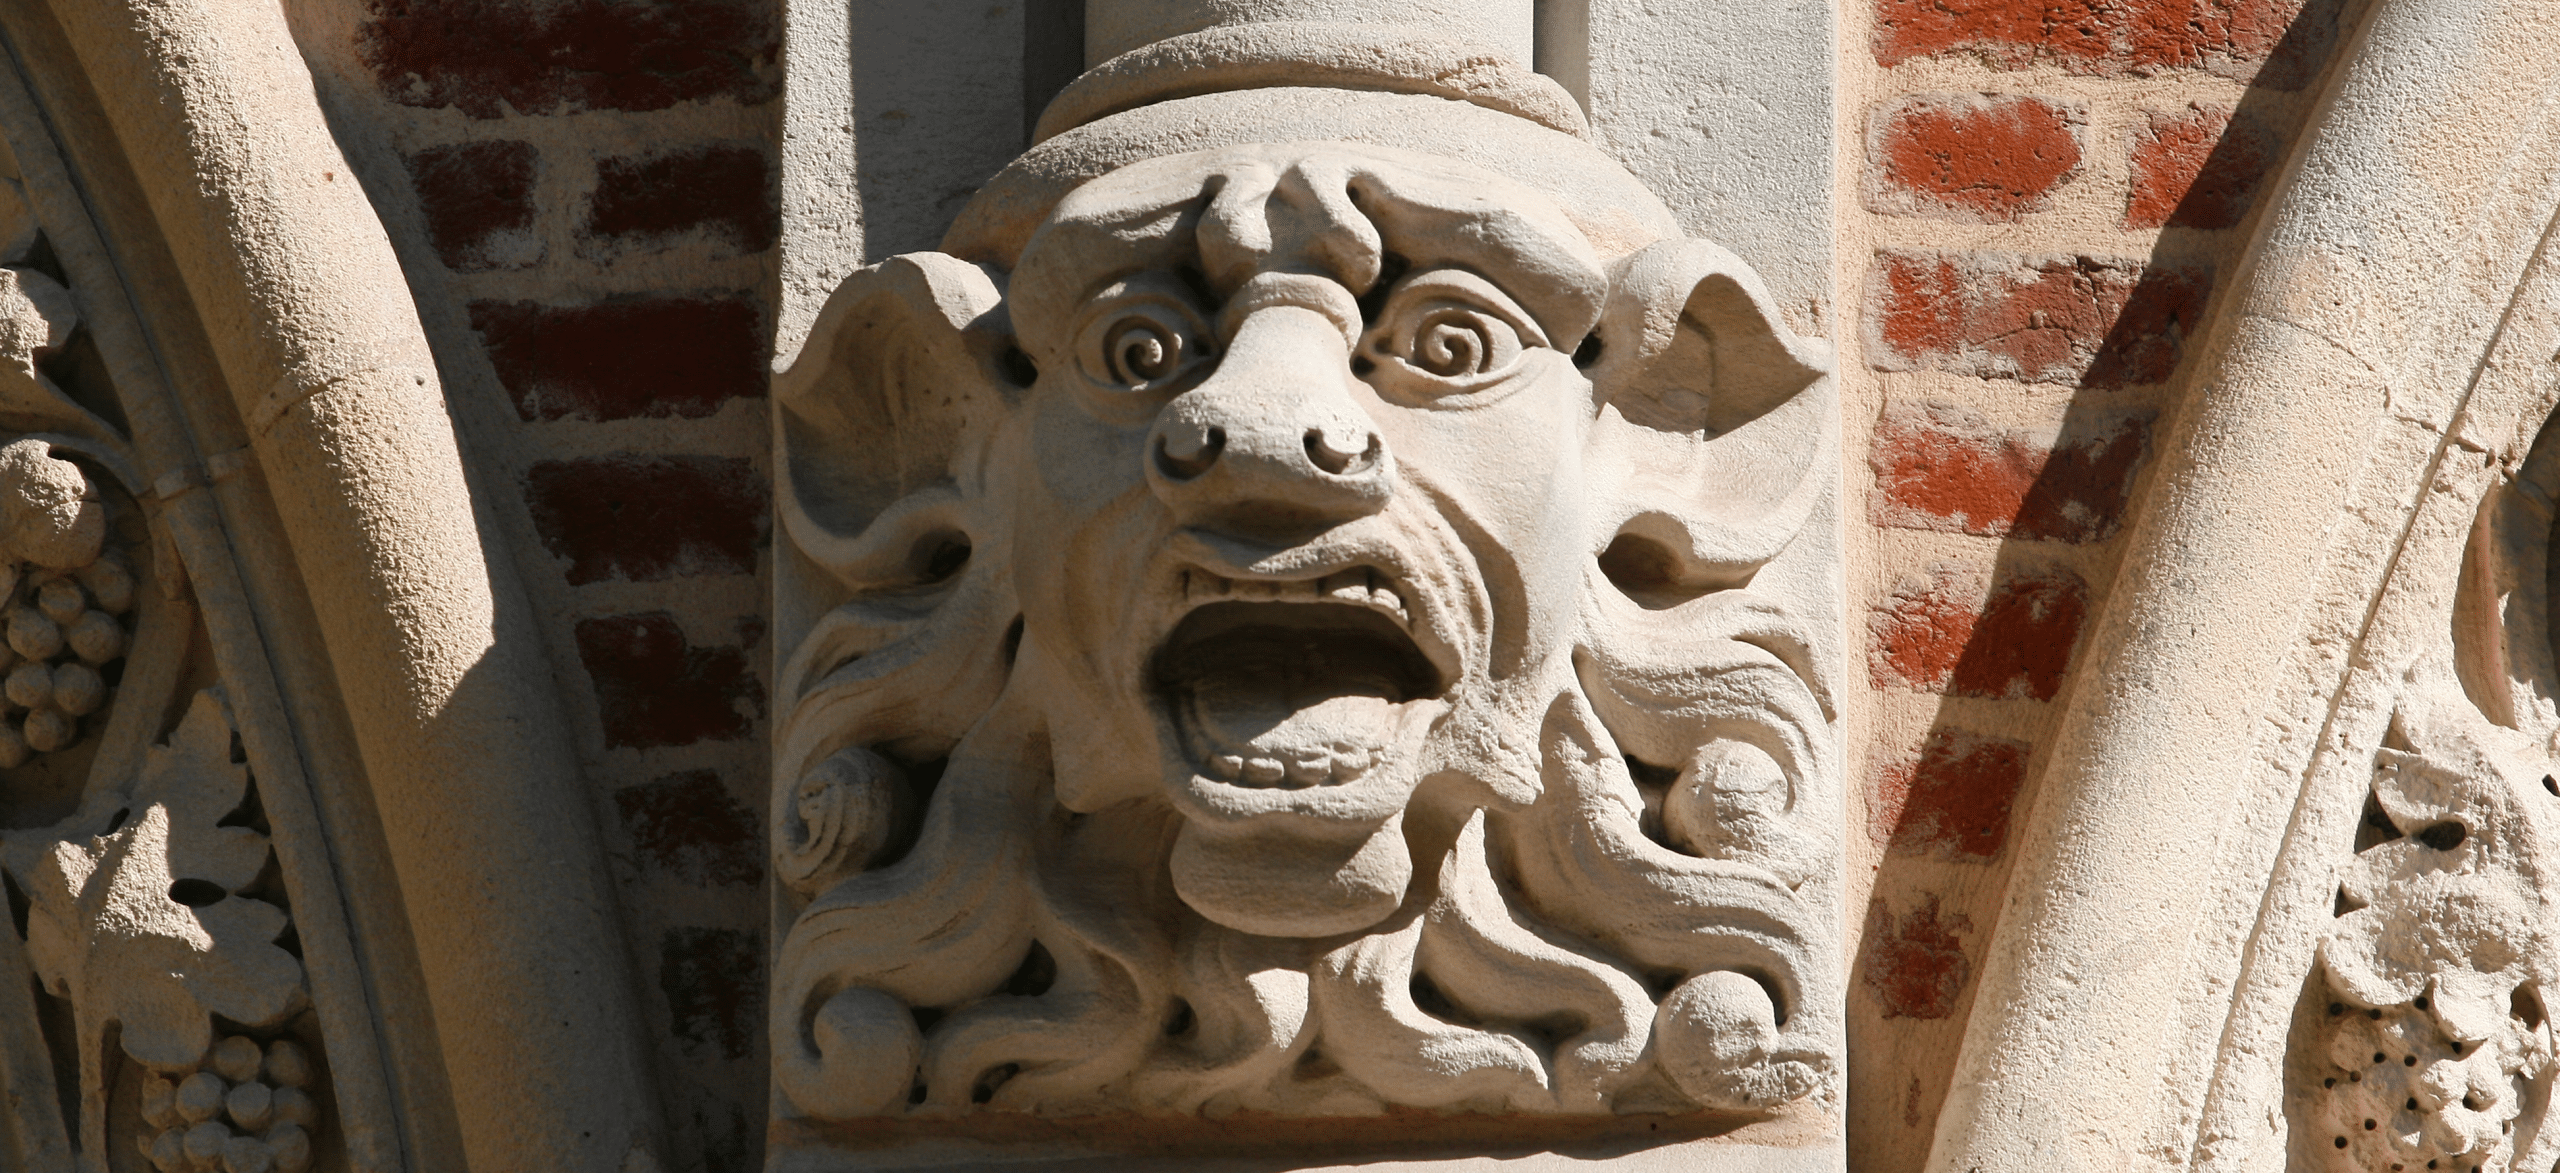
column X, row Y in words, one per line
column 1272, row 443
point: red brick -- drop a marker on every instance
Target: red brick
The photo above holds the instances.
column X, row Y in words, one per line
column 2074, row 320
column 687, row 825
column 648, row 518
column 713, row 980
column 653, row 688
column 1987, row 158
column 725, row 192
column 1949, row 636
column 657, row 356
column 490, row 57
column 2280, row 44
column 1945, row 468
column 1952, row 801
column 1914, row 964
column 2196, row 168
column 478, row 199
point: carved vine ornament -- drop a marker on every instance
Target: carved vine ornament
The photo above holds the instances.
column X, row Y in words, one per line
column 1302, row 657
column 137, row 866
column 2428, row 1045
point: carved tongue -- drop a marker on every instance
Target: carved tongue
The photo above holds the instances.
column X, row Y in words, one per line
column 1259, row 739
column 1292, row 716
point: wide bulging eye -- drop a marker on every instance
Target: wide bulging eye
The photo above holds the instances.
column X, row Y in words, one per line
column 1449, row 332
column 1141, row 342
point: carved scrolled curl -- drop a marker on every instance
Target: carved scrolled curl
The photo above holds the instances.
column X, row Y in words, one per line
column 844, row 815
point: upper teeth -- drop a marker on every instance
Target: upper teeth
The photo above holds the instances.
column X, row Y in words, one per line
column 1334, row 766
column 1358, row 586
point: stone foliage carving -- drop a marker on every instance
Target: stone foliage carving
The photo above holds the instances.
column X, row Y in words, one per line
column 2433, row 1047
column 149, row 930
column 141, row 863
column 1303, row 656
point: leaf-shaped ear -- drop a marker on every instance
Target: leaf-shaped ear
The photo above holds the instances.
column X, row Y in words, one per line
column 903, row 372
column 1716, row 425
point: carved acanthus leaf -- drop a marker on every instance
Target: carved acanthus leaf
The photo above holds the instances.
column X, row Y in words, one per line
column 143, row 926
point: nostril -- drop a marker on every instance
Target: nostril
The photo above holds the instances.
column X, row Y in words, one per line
column 1338, row 461
column 1183, row 466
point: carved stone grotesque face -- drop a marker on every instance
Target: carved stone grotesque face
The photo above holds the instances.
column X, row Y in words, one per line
column 1304, row 655
column 1303, row 524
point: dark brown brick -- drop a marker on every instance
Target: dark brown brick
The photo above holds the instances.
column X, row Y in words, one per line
column 1944, row 636
column 2075, row 320
column 653, row 688
column 657, row 356
column 2196, row 168
column 1914, row 963
column 713, row 980
column 478, row 200
column 1954, row 800
column 1987, row 158
column 2280, row 44
column 688, row 826
column 489, row 57
column 648, row 518
column 1944, row 467
column 726, row 193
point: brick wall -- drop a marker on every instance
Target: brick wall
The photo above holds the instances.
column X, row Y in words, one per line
column 583, row 192
column 2045, row 197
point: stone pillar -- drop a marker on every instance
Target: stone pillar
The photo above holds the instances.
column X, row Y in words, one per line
column 1114, row 27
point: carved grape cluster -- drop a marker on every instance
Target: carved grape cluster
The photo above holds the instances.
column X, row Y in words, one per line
column 62, row 627
column 244, row 1110
column 2399, row 1092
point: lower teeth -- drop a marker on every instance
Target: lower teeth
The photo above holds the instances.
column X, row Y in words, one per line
column 1337, row 739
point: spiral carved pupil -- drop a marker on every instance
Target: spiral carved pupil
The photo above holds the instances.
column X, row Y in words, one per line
column 1144, row 353
column 1450, row 347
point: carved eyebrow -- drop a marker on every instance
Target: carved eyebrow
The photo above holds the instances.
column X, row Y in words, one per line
column 1542, row 261
column 1339, row 212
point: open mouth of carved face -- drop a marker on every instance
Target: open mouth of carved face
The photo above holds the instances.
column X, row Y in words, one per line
column 1297, row 684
